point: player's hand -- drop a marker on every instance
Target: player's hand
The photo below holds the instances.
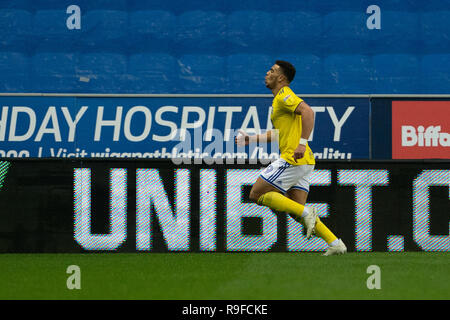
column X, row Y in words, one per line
column 299, row 152
column 242, row 139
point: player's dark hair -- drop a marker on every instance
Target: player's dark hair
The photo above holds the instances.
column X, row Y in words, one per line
column 287, row 68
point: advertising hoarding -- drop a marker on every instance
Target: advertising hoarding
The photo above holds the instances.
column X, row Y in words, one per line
column 156, row 206
column 168, row 127
column 421, row 129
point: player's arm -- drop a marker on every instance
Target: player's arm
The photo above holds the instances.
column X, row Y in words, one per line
column 244, row 139
column 307, row 114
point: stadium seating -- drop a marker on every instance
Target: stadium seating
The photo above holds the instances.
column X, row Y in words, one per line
column 150, row 31
column 328, row 6
column 178, row 6
column 435, row 72
column 202, row 74
column 396, row 5
column 102, row 72
column 14, row 72
column 308, row 77
column 246, row 72
column 153, row 73
column 396, row 73
column 328, row 41
column 104, row 30
column 51, row 34
column 17, row 4
column 55, row 72
column 435, row 31
column 85, row 5
column 343, row 31
column 200, row 32
column 293, row 32
column 15, row 28
column 347, row 73
column 399, row 33
column 434, row 5
column 265, row 5
column 250, row 31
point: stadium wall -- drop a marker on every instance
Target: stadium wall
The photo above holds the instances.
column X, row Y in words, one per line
column 384, row 198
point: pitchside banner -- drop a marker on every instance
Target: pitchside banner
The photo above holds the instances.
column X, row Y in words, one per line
column 155, row 206
column 410, row 128
column 421, row 129
column 169, row 127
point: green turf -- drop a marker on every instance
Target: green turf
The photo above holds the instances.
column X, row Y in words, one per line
column 192, row 276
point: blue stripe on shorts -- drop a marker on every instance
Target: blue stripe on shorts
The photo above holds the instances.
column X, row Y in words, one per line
column 274, row 185
column 279, row 172
column 301, row 188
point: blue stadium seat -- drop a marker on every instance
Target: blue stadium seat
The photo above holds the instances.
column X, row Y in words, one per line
column 178, row 6
column 120, row 5
column 435, row 31
column 16, row 4
column 246, row 72
column 238, row 5
column 389, row 5
column 308, row 74
column 435, row 76
column 151, row 31
column 85, row 5
column 51, row 4
column 434, row 5
column 345, row 32
column 14, row 72
column 327, row 6
column 139, row 5
column 396, row 74
column 15, row 28
column 202, row 74
column 51, row 32
column 297, row 31
column 55, row 72
column 153, row 73
column 347, row 74
column 103, row 30
column 200, row 31
column 250, row 31
column 399, row 33
column 102, row 73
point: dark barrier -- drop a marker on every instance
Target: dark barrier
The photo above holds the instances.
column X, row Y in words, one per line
column 67, row 205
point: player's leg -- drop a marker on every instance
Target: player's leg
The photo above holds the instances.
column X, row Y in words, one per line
column 265, row 194
column 299, row 193
column 336, row 246
column 321, row 230
column 267, row 191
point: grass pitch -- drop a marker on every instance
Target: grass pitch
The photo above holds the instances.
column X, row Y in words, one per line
column 225, row 276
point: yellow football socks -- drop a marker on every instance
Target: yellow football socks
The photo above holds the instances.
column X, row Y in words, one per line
column 278, row 202
column 323, row 232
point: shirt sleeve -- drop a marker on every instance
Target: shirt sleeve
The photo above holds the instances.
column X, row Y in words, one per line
column 289, row 100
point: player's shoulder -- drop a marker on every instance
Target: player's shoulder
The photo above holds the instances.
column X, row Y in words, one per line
column 286, row 94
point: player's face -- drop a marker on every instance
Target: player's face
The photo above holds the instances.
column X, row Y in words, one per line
column 273, row 76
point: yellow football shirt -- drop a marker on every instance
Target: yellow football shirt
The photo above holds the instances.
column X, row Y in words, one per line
column 289, row 126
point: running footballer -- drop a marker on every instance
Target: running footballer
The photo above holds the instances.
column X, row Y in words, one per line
column 284, row 185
